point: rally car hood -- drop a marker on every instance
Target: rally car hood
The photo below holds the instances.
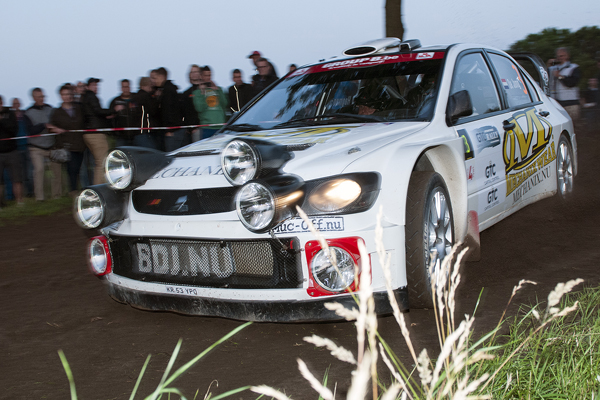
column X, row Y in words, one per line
column 318, row 151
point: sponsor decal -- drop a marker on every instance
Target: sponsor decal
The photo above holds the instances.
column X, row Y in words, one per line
column 491, row 197
column 487, row 136
column 522, row 181
column 425, row 56
column 544, row 75
column 470, row 173
column 490, row 174
column 505, row 84
column 298, row 225
column 301, row 136
column 526, row 151
column 182, row 260
column 467, row 144
column 180, row 205
column 523, row 146
column 370, row 61
column 178, row 172
column 362, row 62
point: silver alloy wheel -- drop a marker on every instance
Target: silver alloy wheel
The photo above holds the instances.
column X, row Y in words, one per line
column 439, row 229
column 564, row 168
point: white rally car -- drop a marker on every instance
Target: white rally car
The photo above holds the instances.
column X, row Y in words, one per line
column 436, row 136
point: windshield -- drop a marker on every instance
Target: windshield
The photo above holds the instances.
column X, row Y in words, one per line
column 373, row 89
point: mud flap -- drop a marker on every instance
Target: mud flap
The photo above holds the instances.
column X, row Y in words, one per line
column 472, row 240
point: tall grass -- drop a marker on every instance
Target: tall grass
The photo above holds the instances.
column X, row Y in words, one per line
column 464, row 368
column 560, row 361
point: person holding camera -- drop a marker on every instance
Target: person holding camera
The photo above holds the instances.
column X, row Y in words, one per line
column 564, row 77
column 210, row 103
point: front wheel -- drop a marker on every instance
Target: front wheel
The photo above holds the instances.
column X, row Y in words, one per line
column 429, row 234
column 564, row 168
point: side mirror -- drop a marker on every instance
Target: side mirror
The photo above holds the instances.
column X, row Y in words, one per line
column 459, row 105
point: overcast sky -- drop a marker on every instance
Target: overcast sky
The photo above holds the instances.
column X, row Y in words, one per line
column 48, row 43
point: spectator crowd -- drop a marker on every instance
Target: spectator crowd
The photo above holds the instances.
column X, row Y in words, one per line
column 49, row 137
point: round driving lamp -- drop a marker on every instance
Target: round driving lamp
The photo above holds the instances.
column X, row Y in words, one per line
column 240, row 162
column 118, row 169
column 89, row 209
column 99, row 256
column 327, row 275
column 255, row 205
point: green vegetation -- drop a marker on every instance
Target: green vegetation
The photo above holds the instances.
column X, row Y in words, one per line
column 584, row 45
column 13, row 213
column 560, row 361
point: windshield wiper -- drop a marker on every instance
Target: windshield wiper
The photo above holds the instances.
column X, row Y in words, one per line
column 335, row 117
column 244, row 127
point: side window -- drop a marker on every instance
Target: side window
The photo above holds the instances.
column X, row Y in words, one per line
column 532, row 91
column 473, row 75
column 513, row 82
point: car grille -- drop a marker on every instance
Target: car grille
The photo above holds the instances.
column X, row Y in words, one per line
column 184, row 202
column 243, row 264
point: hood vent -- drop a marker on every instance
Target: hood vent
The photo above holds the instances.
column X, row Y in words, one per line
column 380, row 45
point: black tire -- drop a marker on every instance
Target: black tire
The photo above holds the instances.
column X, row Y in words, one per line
column 424, row 188
column 564, row 168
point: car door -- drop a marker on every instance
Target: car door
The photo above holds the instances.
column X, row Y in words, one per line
column 528, row 149
column 482, row 133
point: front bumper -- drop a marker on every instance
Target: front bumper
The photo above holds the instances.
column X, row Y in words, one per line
column 259, row 311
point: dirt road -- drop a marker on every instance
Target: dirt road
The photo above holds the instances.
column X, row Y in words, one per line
column 50, row 302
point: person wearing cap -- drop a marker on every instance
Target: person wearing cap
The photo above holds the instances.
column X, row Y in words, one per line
column 95, row 117
column 255, row 56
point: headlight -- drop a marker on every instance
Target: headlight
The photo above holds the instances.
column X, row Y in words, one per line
column 327, row 276
column 89, row 209
column 245, row 159
column 99, row 206
column 342, row 194
column 240, row 162
column 118, row 170
column 255, row 205
column 99, row 256
column 334, row 195
column 126, row 167
column 262, row 204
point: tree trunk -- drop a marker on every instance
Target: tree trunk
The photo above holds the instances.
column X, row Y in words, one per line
column 393, row 19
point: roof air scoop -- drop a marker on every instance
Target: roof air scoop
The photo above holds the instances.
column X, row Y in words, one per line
column 372, row 46
column 380, row 45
